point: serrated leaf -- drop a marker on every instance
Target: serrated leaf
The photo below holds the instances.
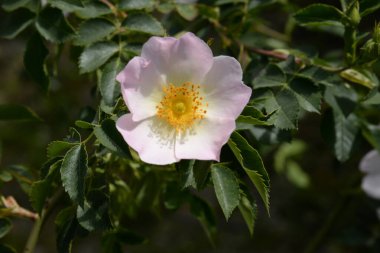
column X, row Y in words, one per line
column 94, row 213
column 17, row 112
column 11, row 5
column 108, row 86
column 73, row 173
column 93, row 30
column 96, row 55
column 271, row 76
column 246, row 122
column 34, row 61
column 252, row 164
column 307, row 93
column 58, row 148
column 52, row 25
column 17, row 22
column 5, row 226
column 193, row 173
column 226, row 188
column 187, row 11
column 319, row 14
column 109, row 136
column 248, row 209
column 143, row 23
column 286, row 109
column 136, row 4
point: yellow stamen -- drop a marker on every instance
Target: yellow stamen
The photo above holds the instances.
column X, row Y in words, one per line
column 181, row 106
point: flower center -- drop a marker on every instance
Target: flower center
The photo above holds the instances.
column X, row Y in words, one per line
column 181, row 106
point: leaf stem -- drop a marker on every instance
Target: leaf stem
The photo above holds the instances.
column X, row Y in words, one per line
column 34, row 234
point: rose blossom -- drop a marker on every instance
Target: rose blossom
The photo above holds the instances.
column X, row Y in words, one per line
column 183, row 102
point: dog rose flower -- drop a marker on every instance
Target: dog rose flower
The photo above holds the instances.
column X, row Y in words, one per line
column 183, row 102
column 370, row 164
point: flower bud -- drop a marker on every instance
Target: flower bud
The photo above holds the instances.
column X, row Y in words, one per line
column 354, row 14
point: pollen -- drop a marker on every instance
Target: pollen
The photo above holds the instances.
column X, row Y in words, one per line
column 181, row 106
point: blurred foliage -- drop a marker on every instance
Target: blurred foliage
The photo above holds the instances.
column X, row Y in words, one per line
column 313, row 67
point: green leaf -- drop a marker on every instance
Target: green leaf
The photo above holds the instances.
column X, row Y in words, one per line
column 66, row 227
column 109, row 136
column 187, row 11
column 372, row 135
column 136, row 4
column 271, row 76
column 96, row 55
column 94, row 213
column 93, row 30
column 108, row 86
column 307, row 93
column 143, row 23
column 317, row 14
column 202, row 211
column 52, row 25
column 226, row 188
column 113, row 240
column 34, row 61
column 248, row 209
column 5, row 227
column 11, row 5
column 193, row 173
column 58, row 148
column 39, row 192
column 346, row 131
column 73, row 173
column 66, row 5
column 93, row 9
column 6, row 249
column 286, row 109
column 340, row 132
column 252, row 164
column 16, row 23
column 17, row 112
column 368, row 6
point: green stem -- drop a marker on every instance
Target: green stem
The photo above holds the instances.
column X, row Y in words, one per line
column 34, row 234
column 317, row 240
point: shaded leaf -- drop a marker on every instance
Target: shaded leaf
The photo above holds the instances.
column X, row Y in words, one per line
column 73, row 173
column 113, row 240
column 252, row 164
column 109, row 136
column 17, row 22
column 271, row 76
column 226, row 188
column 248, row 209
column 93, row 9
column 6, row 249
column 34, row 61
column 5, row 227
column 319, row 14
column 94, row 213
column 53, row 26
column 11, row 5
column 96, row 55
column 66, row 227
column 368, row 6
column 307, row 93
column 17, row 112
column 187, row 11
column 58, row 148
column 66, row 5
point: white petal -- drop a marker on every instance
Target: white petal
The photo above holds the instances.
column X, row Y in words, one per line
column 205, row 141
column 371, row 185
column 152, row 141
column 370, row 162
column 140, row 87
column 187, row 59
column 224, row 90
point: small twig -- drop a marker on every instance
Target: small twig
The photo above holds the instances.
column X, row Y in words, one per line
column 275, row 54
column 114, row 9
